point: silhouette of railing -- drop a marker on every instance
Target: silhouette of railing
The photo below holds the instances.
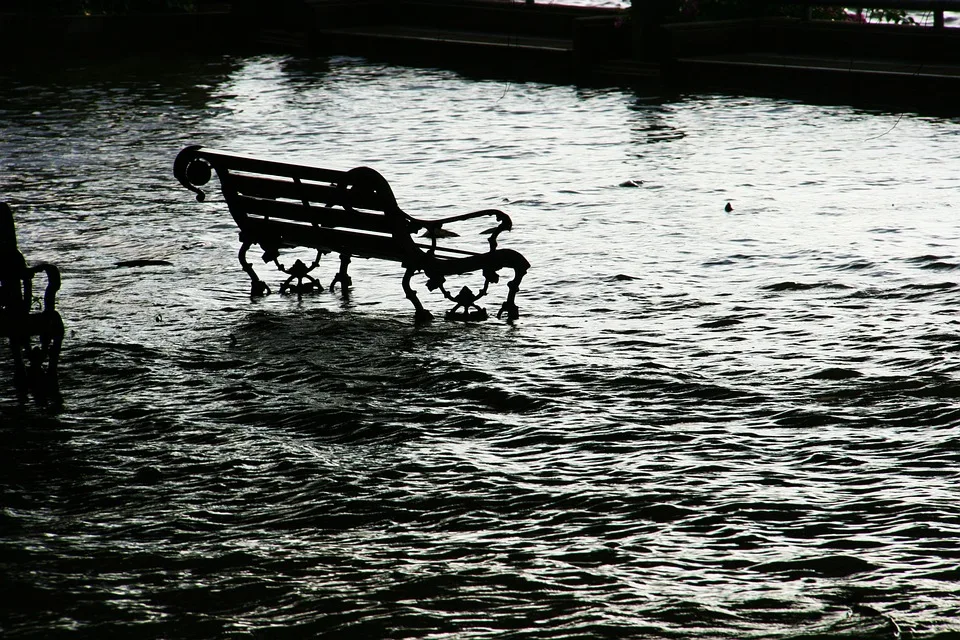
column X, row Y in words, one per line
column 936, row 7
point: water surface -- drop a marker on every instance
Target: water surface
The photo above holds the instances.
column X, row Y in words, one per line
column 705, row 423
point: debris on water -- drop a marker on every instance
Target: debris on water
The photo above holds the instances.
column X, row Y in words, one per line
column 144, row 263
column 728, row 208
column 631, row 183
column 721, row 323
column 835, row 373
column 148, row 475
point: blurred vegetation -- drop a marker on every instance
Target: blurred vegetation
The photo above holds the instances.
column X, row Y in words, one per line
column 691, row 10
column 896, row 16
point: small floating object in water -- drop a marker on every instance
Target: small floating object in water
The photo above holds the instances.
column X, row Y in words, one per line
column 835, row 373
column 722, row 323
column 148, row 475
column 728, row 208
column 144, row 263
column 631, row 183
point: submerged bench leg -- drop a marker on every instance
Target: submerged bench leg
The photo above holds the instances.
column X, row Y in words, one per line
column 510, row 306
column 421, row 314
column 300, row 272
column 257, row 286
column 342, row 277
column 52, row 343
column 35, row 365
column 20, row 380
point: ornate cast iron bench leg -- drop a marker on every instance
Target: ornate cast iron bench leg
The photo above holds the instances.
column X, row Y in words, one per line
column 300, row 272
column 342, row 277
column 421, row 314
column 43, row 381
column 20, row 378
column 47, row 325
column 257, row 286
column 509, row 306
column 54, row 343
column 467, row 300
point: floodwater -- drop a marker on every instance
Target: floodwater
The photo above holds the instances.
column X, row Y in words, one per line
column 705, row 423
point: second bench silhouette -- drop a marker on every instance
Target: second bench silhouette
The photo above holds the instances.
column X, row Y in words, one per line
column 34, row 328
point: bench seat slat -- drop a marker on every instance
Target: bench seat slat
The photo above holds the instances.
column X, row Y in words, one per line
column 290, row 234
column 361, row 245
column 273, row 187
column 320, row 215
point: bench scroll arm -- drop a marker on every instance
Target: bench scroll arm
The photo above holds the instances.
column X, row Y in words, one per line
column 505, row 224
column 192, row 171
column 53, row 285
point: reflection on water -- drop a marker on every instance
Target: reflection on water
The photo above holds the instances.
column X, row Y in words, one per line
column 724, row 424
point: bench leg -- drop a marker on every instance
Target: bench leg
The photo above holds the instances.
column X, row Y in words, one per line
column 342, row 277
column 421, row 314
column 300, row 272
column 510, row 306
column 20, row 379
column 51, row 343
column 466, row 300
column 257, row 286
column 35, row 364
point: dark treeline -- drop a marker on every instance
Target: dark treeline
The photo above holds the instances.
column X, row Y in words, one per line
column 99, row 7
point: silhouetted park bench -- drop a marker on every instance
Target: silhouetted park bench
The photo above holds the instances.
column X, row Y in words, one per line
column 22, row 319
column 353, row 213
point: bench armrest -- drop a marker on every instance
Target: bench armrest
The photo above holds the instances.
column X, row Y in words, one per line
column 433, row 226
column 53, row 284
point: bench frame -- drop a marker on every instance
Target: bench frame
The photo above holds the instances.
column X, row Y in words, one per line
column 353, row 213
column 35, row 363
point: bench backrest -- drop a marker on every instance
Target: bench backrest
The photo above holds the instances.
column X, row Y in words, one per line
column 277, row 204
column 13, row 266
column 16, row 278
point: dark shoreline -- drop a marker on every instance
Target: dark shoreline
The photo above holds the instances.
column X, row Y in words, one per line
column 868, row 65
